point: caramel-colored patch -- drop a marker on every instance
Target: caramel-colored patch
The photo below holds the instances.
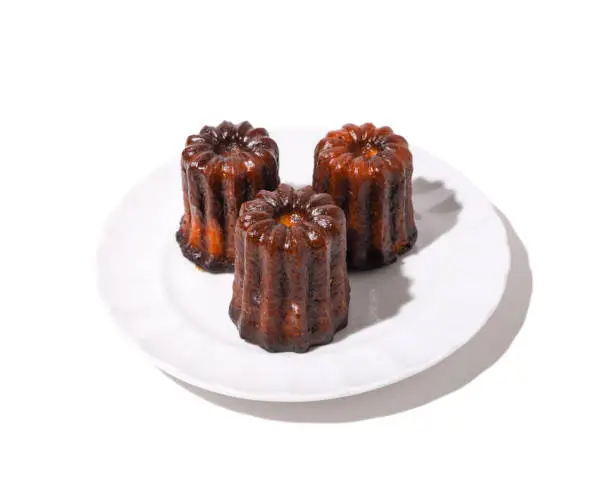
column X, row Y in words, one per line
column 369, row 150
column 195, row 234
column 214, row 241
column 290, row 219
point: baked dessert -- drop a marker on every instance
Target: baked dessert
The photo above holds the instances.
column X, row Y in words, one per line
column 221, row 168
column 291, row 289
column 368, row 172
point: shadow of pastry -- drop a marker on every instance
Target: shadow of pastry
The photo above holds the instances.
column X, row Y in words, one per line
column 436, row 213
column 462, row 367
column 371, row 302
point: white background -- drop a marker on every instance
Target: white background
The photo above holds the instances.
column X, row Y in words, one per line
column 96, row 95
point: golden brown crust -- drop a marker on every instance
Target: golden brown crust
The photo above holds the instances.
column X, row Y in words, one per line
column 291, row 289
column 221, row 167
column 368, row 172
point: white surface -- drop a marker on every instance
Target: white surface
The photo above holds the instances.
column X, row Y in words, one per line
column 403, row 318
column 516, row 95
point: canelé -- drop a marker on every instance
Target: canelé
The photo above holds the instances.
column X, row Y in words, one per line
column 291, row 289
column 368, row 172
column 221, row 168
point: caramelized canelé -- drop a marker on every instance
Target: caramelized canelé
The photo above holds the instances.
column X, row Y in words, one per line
column 291, row 289
column 221, row 168
column 368, row 172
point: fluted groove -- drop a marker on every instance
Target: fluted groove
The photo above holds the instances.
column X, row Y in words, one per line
column 272, row 285
column 339, row 284
column 186, row 220
column 295, row 295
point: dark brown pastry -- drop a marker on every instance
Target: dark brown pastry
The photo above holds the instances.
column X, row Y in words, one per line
column 291, row 289
column 368, row 172
column 221, row 168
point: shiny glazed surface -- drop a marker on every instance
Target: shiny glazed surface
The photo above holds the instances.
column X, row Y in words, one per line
column 291, row 289
column 221, row 167
column 368, row 171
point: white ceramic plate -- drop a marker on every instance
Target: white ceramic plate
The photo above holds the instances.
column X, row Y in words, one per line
column 403, row 319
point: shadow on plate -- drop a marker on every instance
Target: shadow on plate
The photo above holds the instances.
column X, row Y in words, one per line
column 487, row 346
column 437, row 206
column 371, row 303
